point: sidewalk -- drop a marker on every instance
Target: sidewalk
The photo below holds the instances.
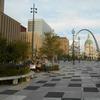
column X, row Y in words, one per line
column 78, row 82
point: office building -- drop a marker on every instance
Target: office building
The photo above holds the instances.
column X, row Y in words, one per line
column 40, row 27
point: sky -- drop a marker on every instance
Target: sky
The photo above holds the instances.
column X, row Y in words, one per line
column 61, row 15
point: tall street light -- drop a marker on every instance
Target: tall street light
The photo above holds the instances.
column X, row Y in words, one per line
column 79, row 48
column 73, row 51
column 33, row 10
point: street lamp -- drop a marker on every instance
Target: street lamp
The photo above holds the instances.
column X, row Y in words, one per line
column 33, row 10
column 79, row 48
column 73, row 51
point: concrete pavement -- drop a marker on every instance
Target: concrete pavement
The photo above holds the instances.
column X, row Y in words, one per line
column 78, row 82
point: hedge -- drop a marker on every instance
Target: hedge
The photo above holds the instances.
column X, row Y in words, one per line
column 13, row 70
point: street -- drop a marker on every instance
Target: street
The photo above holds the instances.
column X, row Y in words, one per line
column 72, row 82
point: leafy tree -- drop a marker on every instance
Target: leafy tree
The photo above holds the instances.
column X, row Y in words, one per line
column 3, row 44
column 21, row 50
column 12, row 52
column 51, row 46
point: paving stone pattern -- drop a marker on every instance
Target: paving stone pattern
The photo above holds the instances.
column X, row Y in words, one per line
column 78, row 82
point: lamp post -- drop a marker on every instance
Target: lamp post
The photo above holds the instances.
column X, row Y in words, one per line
column 33, row 10
column 73, row 51
column 79, row 48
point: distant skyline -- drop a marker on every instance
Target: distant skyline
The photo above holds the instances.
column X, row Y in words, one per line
column 61, row 15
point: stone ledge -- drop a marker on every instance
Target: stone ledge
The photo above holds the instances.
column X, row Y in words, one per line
column 15, row 78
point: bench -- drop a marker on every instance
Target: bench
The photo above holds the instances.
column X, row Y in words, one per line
column 15, row 78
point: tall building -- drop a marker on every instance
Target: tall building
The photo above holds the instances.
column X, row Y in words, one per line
column 9, row 27
column 0, row 20
column 1, row 9
column 90, row 51
column 1, row 5
column 23, row 36
column 64, row 44
column 40, row 27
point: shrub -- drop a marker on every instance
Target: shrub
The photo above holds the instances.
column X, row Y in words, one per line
column 55, row 67
column 13, row 70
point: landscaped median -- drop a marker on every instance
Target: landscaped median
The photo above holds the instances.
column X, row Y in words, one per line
column 14, row 73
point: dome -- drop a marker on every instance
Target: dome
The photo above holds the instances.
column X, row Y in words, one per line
column 89, row 41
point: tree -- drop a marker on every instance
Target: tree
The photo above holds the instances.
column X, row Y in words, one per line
column 17, row 51
column 51, row 46
column 3, row 44
column 12, row 52
column 21, row 50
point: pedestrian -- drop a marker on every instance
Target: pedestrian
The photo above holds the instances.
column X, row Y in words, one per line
column 33, row 67
column 47, row 65
column 44, row 66
column 38, row 66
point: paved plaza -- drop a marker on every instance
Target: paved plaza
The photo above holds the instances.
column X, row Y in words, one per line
column 78, row 82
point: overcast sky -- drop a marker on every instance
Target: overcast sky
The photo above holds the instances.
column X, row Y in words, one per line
column 61, row 15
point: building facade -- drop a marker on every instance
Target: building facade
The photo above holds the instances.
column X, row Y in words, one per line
column 23, row 36
column 9, row 28
column 40, row 27
column 37, row 42
column 90, row 52
column 76, row 49
column 1, row 9
column 1, row 5
column 64, row 44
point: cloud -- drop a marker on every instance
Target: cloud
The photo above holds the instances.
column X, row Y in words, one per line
column 65, row 23
column 61, row 15
column 98, row 39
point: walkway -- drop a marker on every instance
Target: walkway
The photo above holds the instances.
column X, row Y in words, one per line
column 79, row 82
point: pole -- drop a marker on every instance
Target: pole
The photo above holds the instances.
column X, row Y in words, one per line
column 79, row 48
column 33, row 10
column 33, row 33
column 73, row 53
column 89, row 52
